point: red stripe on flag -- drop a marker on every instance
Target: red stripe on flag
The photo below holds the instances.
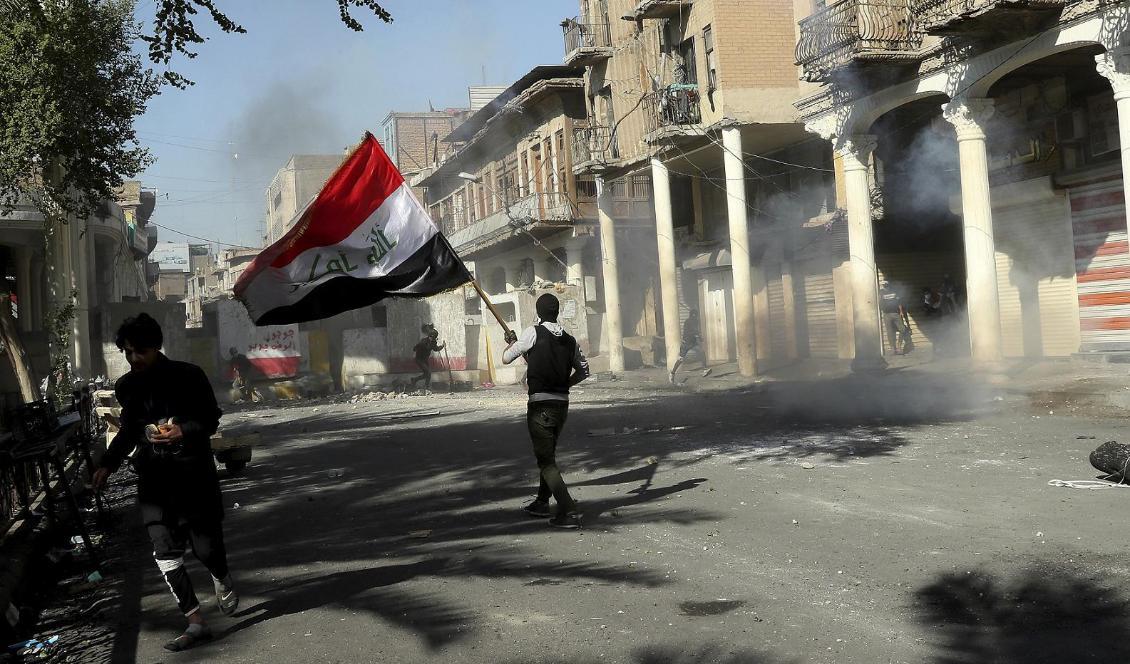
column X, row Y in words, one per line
column 351, row 195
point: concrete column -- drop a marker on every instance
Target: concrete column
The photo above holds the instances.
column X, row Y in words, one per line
column 23, row 287
column 82, row 284
column 1115, row 66
column 968, row 116
column 575, row 259
column 668, row 278
column 739, row 252
column 512, row 278
column 614, row 330
column 856, row 154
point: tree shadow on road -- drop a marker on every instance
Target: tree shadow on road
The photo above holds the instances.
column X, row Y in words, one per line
column 1045, row 614
column 679, row 654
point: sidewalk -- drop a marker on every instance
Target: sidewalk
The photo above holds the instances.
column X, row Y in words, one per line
column 1080, row 386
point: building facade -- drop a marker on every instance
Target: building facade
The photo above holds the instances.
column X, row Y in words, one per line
column 985, row 140
column 293, row 187
column 91, row 264
column 696, row 98
column 511, row 204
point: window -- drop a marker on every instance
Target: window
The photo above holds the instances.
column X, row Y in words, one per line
column 711, row 58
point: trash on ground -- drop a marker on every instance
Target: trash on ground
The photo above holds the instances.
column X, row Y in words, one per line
column 420, row 534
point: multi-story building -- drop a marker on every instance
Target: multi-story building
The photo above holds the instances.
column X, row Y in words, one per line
column 510, row 202
column 986, row 140
column 92, row 264
column 293, row 187
column 695, row 97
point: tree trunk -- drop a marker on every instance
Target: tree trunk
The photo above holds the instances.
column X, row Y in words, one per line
column 10, row 337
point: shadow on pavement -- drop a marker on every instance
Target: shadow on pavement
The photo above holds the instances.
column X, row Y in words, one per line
column 347, row 489
column 680, row 655
column 1045, row 614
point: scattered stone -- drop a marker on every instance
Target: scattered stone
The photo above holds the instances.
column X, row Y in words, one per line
column 807, row 466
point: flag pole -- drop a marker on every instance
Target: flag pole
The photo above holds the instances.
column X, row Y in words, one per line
column 490, row 305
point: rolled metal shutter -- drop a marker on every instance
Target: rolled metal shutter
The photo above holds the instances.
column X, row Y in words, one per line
column 819, row 310
column 1036, row 277
column 1102, row 265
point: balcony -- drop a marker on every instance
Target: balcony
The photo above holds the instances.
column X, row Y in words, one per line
column 854, row 33
column 948, row 17
column 660, row 9
column 586, row 44
column 594, row 148
column 537, row 214
column 675, row 106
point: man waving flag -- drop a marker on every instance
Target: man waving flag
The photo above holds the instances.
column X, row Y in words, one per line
column 364, row 238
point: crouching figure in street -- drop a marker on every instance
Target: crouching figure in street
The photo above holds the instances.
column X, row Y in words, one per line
column 169, row 414
column 556, row 364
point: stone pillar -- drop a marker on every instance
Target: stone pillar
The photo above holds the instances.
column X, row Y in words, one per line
column 668, row 277
column 968, row 116
column 575, row 259
column 739, row 251
column 1115, row 66
column 82, row 284
column 24, row 288
column 614, row 330
column 510, row 268
column 856, row 154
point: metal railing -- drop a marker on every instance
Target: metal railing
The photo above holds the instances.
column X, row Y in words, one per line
column 856, row 29
column 595, row 144
column 585, row 35
column 931, row 13
column 674, row 105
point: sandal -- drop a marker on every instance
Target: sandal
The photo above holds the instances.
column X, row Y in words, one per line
column 187, row 640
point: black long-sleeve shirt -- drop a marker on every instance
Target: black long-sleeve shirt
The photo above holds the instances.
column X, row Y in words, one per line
column 184, row 482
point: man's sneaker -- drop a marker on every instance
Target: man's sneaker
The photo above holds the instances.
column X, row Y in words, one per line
column 671, row 377
column 538, row 508
column 707, row 372
column 226, row 596
column 566, row 520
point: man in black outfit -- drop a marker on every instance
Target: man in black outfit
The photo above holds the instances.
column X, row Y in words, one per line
column 692, row 341
column 423, row 350
column 556, row 363
column 169, row 413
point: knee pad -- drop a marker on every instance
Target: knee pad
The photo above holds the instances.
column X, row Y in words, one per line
column 170, row 565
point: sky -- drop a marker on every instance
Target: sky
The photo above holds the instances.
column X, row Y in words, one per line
column 300, row 82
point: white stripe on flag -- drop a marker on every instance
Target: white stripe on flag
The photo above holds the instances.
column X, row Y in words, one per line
column 392, row 234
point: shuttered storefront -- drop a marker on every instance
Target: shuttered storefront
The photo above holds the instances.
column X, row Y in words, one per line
column 819, row 311
column 1035, row 270
column 779, row 327
column 1102, row 265
column 717, row 299
column 909, row 273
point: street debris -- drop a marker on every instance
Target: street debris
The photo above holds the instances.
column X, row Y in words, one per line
column 34, row 648
column 420, row 534
column 807, row 465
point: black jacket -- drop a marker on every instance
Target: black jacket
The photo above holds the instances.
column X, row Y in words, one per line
column 185, row 482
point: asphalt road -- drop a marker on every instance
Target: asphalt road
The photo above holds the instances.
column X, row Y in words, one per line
column 902, row 519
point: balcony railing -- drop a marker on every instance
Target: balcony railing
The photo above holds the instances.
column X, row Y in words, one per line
column 948, row 16
column 594, row 146
column 586, row 43
column 849, row 32
column 674, row 106
column 549, row 209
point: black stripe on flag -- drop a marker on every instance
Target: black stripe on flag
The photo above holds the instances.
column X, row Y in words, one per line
column 433, row 268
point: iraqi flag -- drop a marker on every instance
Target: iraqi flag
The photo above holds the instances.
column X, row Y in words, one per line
column 364, row 238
